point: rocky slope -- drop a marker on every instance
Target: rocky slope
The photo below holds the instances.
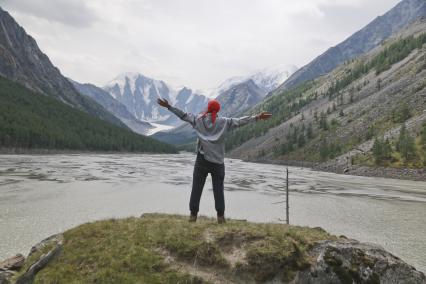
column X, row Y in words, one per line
column 139, row 94
column 240, row 97
column 159, row 248
column 335, row 118
column 113, row 106
column 22, row 61
column 403, row 14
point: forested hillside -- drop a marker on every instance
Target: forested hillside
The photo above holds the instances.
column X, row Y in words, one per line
column 339, row 116
column 34, row 121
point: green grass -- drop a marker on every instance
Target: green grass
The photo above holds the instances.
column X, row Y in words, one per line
column 133, row 250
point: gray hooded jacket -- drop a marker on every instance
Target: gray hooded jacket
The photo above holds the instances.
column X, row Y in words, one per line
column 211, row 137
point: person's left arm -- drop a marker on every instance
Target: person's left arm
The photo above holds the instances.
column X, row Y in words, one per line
column 185, row 116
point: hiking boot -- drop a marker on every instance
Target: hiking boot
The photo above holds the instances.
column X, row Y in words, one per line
column 221, row 220
column 192, row 218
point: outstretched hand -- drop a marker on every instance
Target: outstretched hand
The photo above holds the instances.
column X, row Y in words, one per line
column 264, row 115
column 163, row 102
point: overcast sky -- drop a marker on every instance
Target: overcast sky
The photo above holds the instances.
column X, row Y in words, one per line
column 197, row 43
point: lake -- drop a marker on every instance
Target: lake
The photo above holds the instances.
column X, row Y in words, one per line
column 41, row 195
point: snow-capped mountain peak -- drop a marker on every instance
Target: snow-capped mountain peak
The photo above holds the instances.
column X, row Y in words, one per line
column 269, row 79
column 239, row 93
column 139, row 94
column 134, row 80
column 266, row 79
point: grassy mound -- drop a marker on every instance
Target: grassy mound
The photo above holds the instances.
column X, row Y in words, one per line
column 159, row 248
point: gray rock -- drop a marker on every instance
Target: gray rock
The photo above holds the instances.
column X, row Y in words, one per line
column 56, row 241
column 13, row 263
column 349, row 261
column 5, row 275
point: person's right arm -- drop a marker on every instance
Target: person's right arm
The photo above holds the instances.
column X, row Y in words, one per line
column 188, row 117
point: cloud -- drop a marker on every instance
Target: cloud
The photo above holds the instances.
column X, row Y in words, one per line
column 74, row 13
column 197, row 43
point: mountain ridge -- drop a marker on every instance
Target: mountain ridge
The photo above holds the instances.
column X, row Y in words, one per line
column 139, row 94
column 362, row 41
column 240, row 97
column 333, row 122
column 113, row 106
column 21, row 60
column 266, row 79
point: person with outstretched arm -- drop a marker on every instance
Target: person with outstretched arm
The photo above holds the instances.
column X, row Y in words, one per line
column 211, row 130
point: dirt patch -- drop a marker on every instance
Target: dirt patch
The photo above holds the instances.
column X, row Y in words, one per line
column 203, row 274
column 237, row 239
column 208, row 236
column 236, row 257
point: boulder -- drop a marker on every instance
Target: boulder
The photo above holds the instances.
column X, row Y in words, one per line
column 14, row 263
column 5, row 275
column 349, row 261
column 48, row 249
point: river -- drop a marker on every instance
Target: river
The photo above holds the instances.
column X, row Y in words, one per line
column 41, row 195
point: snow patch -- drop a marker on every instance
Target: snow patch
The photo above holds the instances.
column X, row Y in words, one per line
column 145, row 94
column 158, row 127
column 156, row 116
column 267, row 79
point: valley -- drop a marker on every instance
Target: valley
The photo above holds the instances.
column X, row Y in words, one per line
column 358, row 108
column 337, row 144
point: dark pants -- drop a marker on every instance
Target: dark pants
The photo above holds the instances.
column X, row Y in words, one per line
column 201, row 169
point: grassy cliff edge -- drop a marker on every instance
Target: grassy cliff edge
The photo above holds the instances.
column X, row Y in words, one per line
column 160, row 248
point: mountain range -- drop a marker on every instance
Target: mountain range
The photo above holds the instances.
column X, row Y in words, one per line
column 360, row 42
column 365, row 113
column 240, row 93
column 114, row 107
column 267, row 79
column 236, row 95
column 41, row 109
column 139, row 94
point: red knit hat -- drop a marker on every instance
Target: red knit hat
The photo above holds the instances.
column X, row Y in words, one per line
column 213, row 107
